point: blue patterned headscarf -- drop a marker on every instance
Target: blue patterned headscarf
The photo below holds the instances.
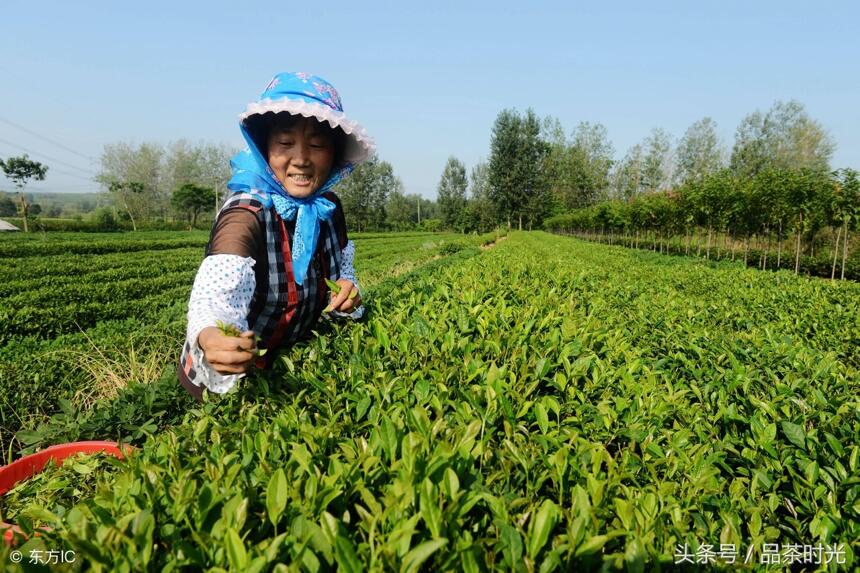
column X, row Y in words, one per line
column 309, row 96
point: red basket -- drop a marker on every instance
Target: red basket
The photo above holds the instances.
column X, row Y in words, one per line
column 28, row 466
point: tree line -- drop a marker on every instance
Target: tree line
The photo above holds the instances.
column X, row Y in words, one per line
column 787, row 210
column 773, row 190
column 777, row 171
column 775, row 187
column 151, row 181
column 148, row 181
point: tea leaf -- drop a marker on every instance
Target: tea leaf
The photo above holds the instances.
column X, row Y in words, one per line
column 235, row 550
column 419, row 554
column 276, row 496
column 541, row 526
column 795, row 434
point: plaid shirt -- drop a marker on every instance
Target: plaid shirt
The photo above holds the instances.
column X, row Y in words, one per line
column 282, row 312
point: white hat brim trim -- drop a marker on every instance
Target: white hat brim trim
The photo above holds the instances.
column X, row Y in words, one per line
column 359, row 147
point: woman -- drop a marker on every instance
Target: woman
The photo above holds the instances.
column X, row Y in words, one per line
column 278, row 237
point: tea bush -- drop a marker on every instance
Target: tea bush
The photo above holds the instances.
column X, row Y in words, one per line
column 75, row 298
column 546, row 405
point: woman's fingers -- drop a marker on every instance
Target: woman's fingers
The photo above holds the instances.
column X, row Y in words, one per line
column 231, row 368
column 338, row 299
column 350, row 304
column 231, row 362
column 355, row 302
column 341, row 302
column 231, row 354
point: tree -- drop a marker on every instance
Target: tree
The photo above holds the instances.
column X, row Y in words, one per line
column 845, row 209
column 504, row 155
column 7, row 207
column 577, row 172
column 181, row 165
column 518, row 189
column 399, row 212
column 452, row 194
column 699, row 151
column 193, row 198
column 134, row 177
column 710, row 197
column 385, row 183
column 480, row 216
column 749, row 154
column 591, row 155
column 204, row 164
column 127, row 193
column 657, row 161
column 783, row 138
column 365, row 192
column 534, row 188
column 20, row 170
column 795, row 140
column 802, row 186
column 771, row 205
column 627, row 179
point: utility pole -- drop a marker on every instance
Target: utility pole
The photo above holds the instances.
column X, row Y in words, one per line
column 419, row 209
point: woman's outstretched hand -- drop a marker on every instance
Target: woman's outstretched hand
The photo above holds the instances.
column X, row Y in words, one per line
column 228, row 354
column 341, row 301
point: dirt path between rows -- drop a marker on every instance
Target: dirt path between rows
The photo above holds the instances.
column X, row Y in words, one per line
column 493, row 244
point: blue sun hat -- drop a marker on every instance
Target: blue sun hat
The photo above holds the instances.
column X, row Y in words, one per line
column 301, row 94
column 311, row 96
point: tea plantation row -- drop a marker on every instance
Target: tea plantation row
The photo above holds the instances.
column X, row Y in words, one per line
column 74, row 325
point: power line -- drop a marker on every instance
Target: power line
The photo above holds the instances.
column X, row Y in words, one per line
column 61, row 172
column 48, row 139
column 48, row 157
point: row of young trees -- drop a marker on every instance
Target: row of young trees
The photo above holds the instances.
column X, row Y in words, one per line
column 535, row 170
column 775, row 189
column 774, row 207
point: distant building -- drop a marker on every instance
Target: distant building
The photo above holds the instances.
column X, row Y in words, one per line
column 5, row 226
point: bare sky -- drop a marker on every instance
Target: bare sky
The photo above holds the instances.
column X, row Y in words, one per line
column 426, row 81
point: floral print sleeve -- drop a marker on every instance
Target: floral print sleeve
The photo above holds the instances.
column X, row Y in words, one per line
column 223, row 289
column 347, row 271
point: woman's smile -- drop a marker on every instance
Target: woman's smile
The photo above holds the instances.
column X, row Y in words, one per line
column 301, row 153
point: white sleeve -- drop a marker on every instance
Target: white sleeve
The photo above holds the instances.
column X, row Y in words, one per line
column 223, row 289
column 347, row 271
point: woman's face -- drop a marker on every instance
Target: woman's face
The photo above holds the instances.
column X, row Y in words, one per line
column 301, row 153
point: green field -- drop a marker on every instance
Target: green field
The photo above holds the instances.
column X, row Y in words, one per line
column 83, row 315
column 544, row 405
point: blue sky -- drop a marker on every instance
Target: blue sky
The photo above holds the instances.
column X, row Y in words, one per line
column 426, row 80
